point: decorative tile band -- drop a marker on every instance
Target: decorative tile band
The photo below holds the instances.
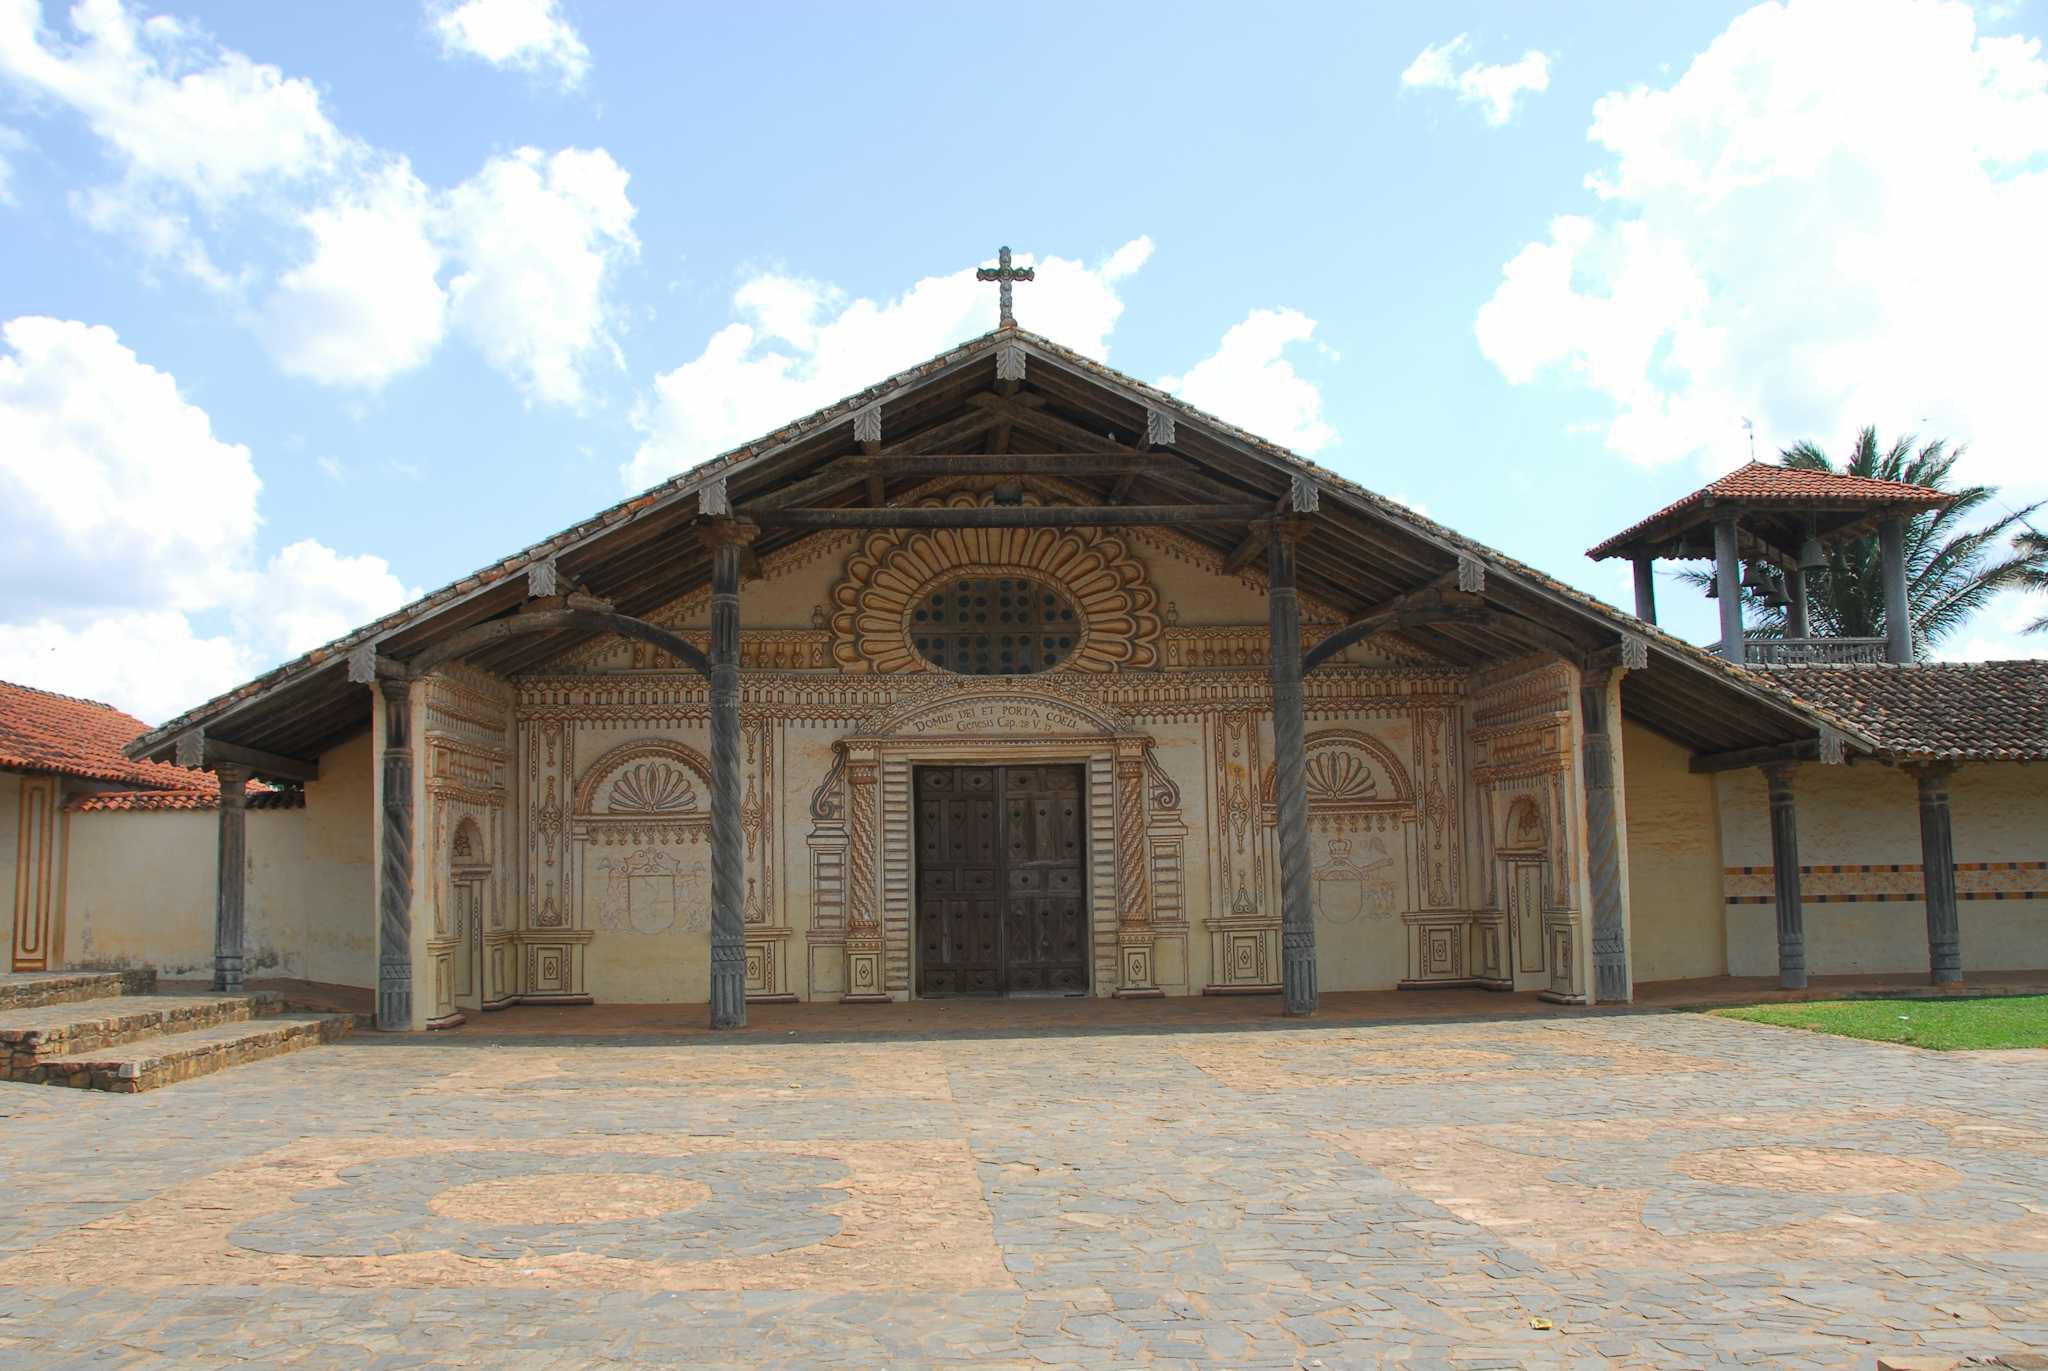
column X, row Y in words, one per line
column 1888, row 882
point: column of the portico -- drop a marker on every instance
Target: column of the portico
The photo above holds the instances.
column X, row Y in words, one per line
column 1290, row 783
column 394, row 859
column 231, row 882
column 1137, row 977
column 863, row 882
column 1728, row 587
column 1938, row 872
column 1604, row 821
column 1785, row 878
column 727, row 539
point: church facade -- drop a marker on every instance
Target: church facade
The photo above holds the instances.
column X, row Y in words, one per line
column 1007, row 676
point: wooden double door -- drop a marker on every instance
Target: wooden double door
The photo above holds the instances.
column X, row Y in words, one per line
column 1001, row 881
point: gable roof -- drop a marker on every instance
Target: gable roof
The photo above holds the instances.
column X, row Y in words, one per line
column 44, row 731
column 1939, row 711
column 1361, row 550
column 1841, row 504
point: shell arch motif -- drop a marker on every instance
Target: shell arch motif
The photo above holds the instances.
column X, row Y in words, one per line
column 892, row 572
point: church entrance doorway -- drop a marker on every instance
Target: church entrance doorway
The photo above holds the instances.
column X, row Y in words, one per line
column 1002, row 904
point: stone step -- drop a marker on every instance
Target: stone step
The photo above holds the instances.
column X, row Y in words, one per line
column 33, row 989
column 175, row 1057
column 30, row 1037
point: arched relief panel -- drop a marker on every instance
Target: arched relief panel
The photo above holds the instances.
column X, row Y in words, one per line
column 642, row 820
column 894, row 576
column 1362, row 816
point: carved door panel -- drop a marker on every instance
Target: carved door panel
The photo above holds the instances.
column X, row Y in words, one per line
column 959, row 894
column 1045, row 918
column 1525, row 916
column 1001, row 881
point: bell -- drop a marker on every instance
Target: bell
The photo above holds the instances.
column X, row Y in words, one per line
column 1811, row 556
column 1755, row 578
column 1775, row 597
column 1714, row 590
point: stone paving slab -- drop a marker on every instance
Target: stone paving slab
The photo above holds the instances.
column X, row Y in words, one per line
column 1659, row 1190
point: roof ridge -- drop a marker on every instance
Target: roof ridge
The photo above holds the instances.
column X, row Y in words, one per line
column 68, row 699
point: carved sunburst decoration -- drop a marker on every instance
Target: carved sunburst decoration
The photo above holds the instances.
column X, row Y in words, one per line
column 890, row 574
column 652, row 788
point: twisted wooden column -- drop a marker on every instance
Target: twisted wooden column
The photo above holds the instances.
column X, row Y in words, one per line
column 726, row 538
column 232, row 879
column 1938, row 871
column 1290, row 783
column 1136, row 975
column 394, row 874
column 863, row 886
column 1785, row 878
column 1603, row 842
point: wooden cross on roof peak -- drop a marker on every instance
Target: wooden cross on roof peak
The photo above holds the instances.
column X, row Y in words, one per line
column 1004, row 273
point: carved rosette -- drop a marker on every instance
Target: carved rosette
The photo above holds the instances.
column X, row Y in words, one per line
column 893, row 573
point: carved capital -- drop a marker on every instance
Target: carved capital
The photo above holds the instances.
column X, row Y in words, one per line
column 718, row 533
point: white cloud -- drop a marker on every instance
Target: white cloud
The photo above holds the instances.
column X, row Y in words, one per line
column 1832, row 218
column 1495, row 88
column 799, row 344
column 519, row 259
column 1249, row 381
column 538, row 237
column 175, row 107
column 11, row 142
column 527, row 35
column 1998, row 633
column 126, row 522
column 367, row 304
column 152, row 663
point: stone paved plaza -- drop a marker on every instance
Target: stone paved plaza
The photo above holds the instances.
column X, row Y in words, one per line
column 1666, row 1190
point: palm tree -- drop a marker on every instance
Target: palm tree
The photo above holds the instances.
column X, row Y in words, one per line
column 1951, row 570
column 2033, row 544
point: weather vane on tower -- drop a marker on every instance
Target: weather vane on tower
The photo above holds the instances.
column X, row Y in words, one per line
column 1005, row 273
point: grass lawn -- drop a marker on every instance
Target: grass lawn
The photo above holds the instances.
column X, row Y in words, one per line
column 1944, row 1025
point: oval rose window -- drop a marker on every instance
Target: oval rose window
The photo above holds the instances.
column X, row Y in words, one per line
column 995, row 626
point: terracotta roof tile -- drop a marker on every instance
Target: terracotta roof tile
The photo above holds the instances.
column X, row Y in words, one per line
column 1762, row 483
column 154, row 801
column 1942, row 711
column 42, row 731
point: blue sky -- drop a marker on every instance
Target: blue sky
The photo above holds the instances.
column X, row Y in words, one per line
column 303, row 310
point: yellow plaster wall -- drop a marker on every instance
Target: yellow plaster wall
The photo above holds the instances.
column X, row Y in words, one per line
column 1679, row 925
column 1869, row 815
column 141, row 887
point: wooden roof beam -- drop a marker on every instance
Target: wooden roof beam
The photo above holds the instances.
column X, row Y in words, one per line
column 198, row 751
column 1011, row 516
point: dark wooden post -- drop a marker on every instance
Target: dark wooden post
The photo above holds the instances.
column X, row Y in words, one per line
column 229, row 922
column 1728, row 587
column 1785, row 878
column 1290, row 782
column 1938, row 871
column 1603, row 842
column 394, row 868
column 727, row 539
column 1898, row 617
column 1646, row 589
column 1797, row 622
